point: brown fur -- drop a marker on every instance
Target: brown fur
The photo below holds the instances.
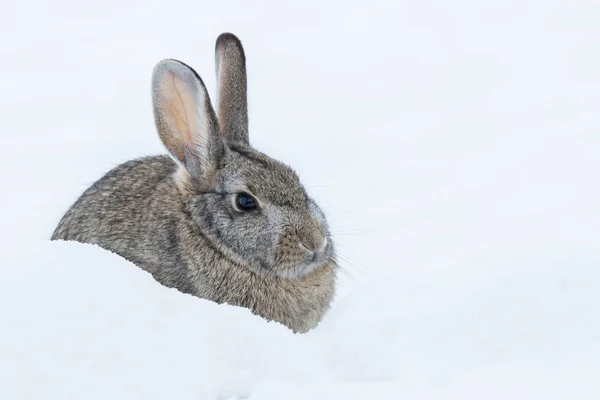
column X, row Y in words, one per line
column 181, row 222
column 98, row 218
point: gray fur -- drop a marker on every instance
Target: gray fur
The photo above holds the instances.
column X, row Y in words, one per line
column 232, row 106
column 176, row 217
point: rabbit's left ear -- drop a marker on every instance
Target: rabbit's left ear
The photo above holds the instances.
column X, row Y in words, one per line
column 232, row 103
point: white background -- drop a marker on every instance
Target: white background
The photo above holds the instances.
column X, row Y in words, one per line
column 455, row 146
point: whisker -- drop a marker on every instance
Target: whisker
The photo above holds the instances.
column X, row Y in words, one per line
column 364, row 270
column 322, row 185
column 344, row 270
column 343, row 214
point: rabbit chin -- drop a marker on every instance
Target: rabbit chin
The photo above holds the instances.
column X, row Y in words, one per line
column 299, row 271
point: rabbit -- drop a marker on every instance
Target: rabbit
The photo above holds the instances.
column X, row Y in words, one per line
column 216, row 219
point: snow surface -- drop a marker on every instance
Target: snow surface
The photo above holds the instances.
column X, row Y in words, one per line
column 454, row 146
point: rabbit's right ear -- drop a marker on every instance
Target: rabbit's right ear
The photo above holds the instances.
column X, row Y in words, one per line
column 185, row 119
column 232, row 102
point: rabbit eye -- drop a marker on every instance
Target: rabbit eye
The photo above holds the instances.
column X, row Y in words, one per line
column 245, row 202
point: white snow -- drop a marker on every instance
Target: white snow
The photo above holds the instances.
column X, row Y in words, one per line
column 455, row 147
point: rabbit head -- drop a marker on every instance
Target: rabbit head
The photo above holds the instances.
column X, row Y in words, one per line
column 252, row 208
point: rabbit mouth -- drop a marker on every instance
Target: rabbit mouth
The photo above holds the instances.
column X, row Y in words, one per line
column 299, row 270
column 316, row 263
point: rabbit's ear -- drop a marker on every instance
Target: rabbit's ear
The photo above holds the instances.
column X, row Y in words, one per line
column 185, row 119
column 232, row 104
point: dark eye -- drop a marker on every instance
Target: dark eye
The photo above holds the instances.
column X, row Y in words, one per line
column 245, row 202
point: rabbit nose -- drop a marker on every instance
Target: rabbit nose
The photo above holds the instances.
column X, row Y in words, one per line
column 314, row 242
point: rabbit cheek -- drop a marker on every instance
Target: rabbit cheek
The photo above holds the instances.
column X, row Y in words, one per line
column 288, row 252
column 289, row 257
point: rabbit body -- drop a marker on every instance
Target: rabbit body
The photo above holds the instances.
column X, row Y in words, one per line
column 218, row 219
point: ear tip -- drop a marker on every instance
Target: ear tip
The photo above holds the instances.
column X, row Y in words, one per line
column 165, row 66
column 229, row 40
column 227, row 37
column 176, row 67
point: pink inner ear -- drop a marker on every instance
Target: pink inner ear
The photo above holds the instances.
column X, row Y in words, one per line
column 184, row 116
column 181, row 108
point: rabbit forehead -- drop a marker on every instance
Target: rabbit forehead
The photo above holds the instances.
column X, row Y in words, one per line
column 268, row 179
